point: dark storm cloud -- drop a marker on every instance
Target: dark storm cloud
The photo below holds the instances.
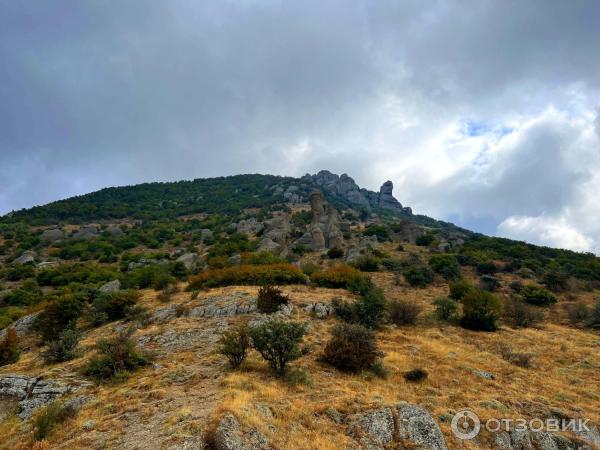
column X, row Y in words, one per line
column 102, row 93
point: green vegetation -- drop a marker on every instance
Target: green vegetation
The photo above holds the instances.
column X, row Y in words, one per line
column 459, row 288
column 418, row 276
column 481, row 310
column 50, row 417
column 59, row 314
column 403, row 312
column 445, row 265
column 63, row 348
column 270, row 299
column 381, row 231
column 369, row 310
column 338, row 277
column 537, row 295
column 112, row 306
column 278, row 343
column 248, row 275
column 234, row 344
column 9, row 348
column 445, row 309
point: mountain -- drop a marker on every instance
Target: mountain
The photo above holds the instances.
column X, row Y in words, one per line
column 257, row 311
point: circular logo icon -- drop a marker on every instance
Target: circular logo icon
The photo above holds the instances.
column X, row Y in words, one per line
column 465, row 424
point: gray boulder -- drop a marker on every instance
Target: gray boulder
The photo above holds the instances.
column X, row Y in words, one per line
column 387, row 199
column 376, row 425
column 86, row 232
column 188, row 260
column 110, row 287
column 418, row 427
column 31, row 392
column 26, row 257
column 206, row 234
column 230, row 435
column 52, row 235
column 22, row 326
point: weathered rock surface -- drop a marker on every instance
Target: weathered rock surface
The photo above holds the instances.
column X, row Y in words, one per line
column 249, row 226
column 386, row 198
column 22, row 326
column 319, row 310
column 206, row 234
column 110, row 287
column 30, row 392
column 324, row 230
column 416, row 426
column 376, row 425
column 86, row 232
column 26, row 257
column 52, row 235
column 188, row 259
column 230, row 435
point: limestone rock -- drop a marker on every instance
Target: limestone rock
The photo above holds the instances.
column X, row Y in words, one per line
column 230, row 435
column 206, row 234
column 110, row 287
column 249, row 226
column 30, row 392
column 26, row 257
column 320, row 310
column 188, row 260
column 376, row 424
column 418, row 427
column 22, row 326
column 386, row 198
column 52, row 235
column 86, row 232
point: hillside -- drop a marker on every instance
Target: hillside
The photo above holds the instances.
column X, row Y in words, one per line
column 121, row 311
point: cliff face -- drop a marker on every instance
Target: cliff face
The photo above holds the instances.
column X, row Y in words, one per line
column 344, row 186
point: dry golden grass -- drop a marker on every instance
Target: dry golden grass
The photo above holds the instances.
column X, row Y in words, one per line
column 176, row 399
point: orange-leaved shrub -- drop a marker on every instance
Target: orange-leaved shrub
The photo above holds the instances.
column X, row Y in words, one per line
column 272, row 274
column 338, row 277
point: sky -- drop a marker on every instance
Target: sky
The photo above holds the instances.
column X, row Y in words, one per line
column 483, row 113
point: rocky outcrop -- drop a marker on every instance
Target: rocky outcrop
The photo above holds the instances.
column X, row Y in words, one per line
column 374, row 427
column 31, row 392
column 110, row 287
column 249, row 226
column 22, row 326
column 408, row 231
column 324, row 230
column 319, row 310
column 230, row 435
column 27, row 257
column 416, row 426
column 86, row 232
column 52, row 235
column 188, row 260
column 386, row 199
column 277, row 231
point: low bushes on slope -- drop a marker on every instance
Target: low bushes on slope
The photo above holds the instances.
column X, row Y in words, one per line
column 248, row 275
column 352, row 348
column 338, row 277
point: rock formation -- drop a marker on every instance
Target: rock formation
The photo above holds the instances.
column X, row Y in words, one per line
column 324, row 231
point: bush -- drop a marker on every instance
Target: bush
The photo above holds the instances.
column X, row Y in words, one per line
column 392, row 264
column 296, row 377
column 425, row 240
column 518, row 359
column 9, row 348
column 486, row 268
column 537, row 295
column 278, row 343
column 594, row 320
column 368, row 310
column 234, row 345
column 51, row 416
column 418, row 276
column 166, row 294
column 58, row 315
column 260, row 258
column 459, row 288
column 489, row 283
column 113, row 306
column 516, row 286
column 63, row 348
column 520, row 315
column 445, row 265
column 248, row 275
column 416, row 375
column 556, row 281
column 155, row 276
column 116, row 358
column 578, row 313
column 381, row 231
column 352, row 348
column 337, row 277
column 26, row 295
column 445, row 308
column 403, row 312
column 367, row 264
column 270, row 299
column 481, row 310
column 335, row 253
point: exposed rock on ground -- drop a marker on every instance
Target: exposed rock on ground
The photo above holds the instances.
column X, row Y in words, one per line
column 416, row 426
column 230, row 435
column 110, row 287
column 31, row 392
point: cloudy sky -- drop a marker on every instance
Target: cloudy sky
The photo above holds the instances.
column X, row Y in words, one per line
column 483, row 113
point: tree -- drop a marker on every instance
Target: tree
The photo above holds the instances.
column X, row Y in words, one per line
column 481, row 310
column 58, row 315
column 234, row 345
column 278, row 342
column 351, row 348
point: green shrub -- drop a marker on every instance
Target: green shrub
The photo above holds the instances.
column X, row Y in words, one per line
column 403, row 312
column 392, row 264
column 28, row 294
column 416, row 375
column 352, row 348
column 116, row 358
column 20, row 272
column 521, row 315
column 445, row 265
column 9, row 348
column 489, row 283
column 155, row 276
column 459, row 288
column 445, row 308
column 481, row 310
column 556, row 281
column 249, row 275
column 297, row 377
column 381, row 231
column 370, row 309
column 335, row 253
column 418, row 276
column 537, row 295
column 594, row 319
column 63, row 348
column 366, row 264
column 278, row 343
column 166, row 294
column 270, row 299
column 261, row 258
column 425, row 240
column 113, row 306
column 47, row 419
column 486, row 268
column 9, row 314
column 338, row 277
column 234, row 345
column 58, row 315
